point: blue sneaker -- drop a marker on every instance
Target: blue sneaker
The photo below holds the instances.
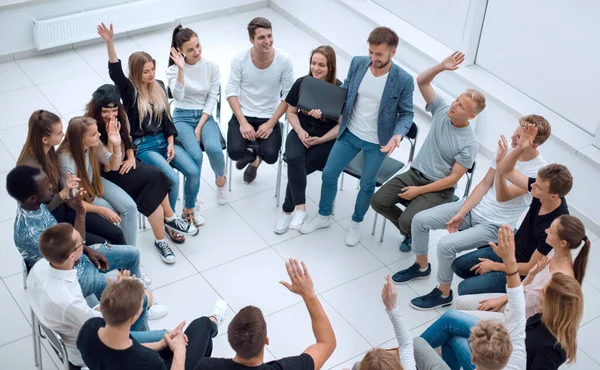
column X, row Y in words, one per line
column 412, row 273
column 406, row 245
column 431, row 301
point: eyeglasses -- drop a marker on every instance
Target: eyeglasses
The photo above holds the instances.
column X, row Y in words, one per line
column 76, row 248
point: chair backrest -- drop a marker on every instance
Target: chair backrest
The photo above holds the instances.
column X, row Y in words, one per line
column 55, row 341
column 470, row 172
column 411, row 135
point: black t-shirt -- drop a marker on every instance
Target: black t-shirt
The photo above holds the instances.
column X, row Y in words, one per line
column 543, row 350
column 531, row 235
column 97, row 356
column 314, row 127
column 302, row 362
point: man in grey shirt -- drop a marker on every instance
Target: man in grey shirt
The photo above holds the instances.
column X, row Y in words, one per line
column 447, row 153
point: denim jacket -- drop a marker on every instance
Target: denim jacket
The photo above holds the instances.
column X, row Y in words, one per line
column 396, row 108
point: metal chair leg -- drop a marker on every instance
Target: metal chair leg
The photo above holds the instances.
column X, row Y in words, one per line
column 35, row 338
column 278, row 182
column 229, row 165
column 342, row 182
column 382, row 230
column 374, row 224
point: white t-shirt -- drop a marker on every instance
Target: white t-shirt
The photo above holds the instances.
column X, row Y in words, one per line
column 508, row 212
column 260, row 91
column 56, row 299
column 200, row 87
column 363, row 121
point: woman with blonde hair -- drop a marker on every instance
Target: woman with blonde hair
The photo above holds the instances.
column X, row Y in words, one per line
column 308, row 145
column 565, row 235
column 152, row 130
column 45, row 133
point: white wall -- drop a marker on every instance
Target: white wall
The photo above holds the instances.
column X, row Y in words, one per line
column 547, row 49
column 16, row 20
column 442, row 20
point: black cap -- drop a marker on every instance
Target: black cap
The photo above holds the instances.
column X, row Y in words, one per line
column 107, row 96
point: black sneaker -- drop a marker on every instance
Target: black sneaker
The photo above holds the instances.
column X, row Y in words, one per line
column 412, row 273
column 250, row 173
column 181, row 226
column 248, row 158
column 166, row 254
column 431, row 301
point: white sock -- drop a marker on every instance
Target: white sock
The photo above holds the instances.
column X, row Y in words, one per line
column 171, row 218
column 445, row 296
column 161, row 240
column 423, row 269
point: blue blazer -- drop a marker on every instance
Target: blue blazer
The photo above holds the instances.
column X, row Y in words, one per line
column 396, row 108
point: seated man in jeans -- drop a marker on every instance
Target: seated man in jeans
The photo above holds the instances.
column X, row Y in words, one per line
column 259, row 81
column 107, row 343
column 473, row 222
column 55, row 294
column 31, row 188
column 448, row 152
column 482, row 269
column 378, row 112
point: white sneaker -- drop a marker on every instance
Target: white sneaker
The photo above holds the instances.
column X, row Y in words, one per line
column 222, row 195
column 198, row 215
column 219, row 311
column 353, row 234
column 298, row 219
column 144, row 277
column 157, row 311
column 283, row 224
column 315, row 223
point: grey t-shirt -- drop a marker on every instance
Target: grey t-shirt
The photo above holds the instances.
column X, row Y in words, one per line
column 66, row 163
column 445, row 144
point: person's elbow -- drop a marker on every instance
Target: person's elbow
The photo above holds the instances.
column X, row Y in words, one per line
column 500, row 197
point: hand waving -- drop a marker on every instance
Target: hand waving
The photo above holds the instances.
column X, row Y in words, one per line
column 389, row 294
column 502, row 149
column 177, row 58
column 105, row 32
column 452, row 62
column 528, row 136
column 113, row 131
column 302, row 283
column 506, row 244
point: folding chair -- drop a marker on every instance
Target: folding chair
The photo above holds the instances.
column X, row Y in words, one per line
column 55, row 340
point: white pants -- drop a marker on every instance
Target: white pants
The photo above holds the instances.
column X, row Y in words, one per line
column 469, row 303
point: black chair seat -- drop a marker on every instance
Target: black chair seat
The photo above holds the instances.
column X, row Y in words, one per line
column 223, row 143
column 454, row 198
column 388, row 169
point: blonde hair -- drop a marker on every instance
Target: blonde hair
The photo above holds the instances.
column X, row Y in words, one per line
column 381, row 359
column 478, row 98
column 151, row 100
column 490, row 345
column 543, row 126
column 562, row 310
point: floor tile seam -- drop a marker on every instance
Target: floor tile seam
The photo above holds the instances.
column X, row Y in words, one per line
column 352, row 280
column 25, row 316
column 247, row 223
column 235, row 259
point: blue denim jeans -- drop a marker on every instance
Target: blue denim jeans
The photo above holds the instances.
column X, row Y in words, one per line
column 491, row 282
column 185, row 121
column 92, row 280
column 344, row 150
column 152, row 150
column 117, row 200
column 452, row 331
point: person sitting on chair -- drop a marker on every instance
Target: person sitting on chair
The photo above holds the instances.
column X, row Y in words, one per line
column 378, row 112
column 260, row 79
column 308, row 145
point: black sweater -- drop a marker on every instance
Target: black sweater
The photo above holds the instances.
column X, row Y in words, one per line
column 543, row 350
column 128, row 95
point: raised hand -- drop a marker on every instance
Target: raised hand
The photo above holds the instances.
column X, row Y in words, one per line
column 77, row 200
column 454, row 223
column 389, row 294
column 121, row 275
column 452, row 62
column 528, row 136
column 71, row 186
column 502, row 149
column 177, row 58
column 391, row 145
column 506, row 244
column 113, row 131
column 302, row 283
column 107, row 33
column 539, row 266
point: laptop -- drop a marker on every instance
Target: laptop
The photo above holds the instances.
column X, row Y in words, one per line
column 319, row 94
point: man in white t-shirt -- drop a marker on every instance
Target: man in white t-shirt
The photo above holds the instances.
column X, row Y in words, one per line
column 259, row 81
column 474, row 222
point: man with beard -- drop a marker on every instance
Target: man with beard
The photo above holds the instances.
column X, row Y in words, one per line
column 259, row 82
column 378, row 112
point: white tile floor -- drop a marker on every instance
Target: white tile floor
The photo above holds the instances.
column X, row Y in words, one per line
column 236, row 256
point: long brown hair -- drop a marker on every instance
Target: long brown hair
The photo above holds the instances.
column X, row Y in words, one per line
column 328, row 52
column 562, row 310
column 94, row 110
column 151, row 100
column 572, row 231
column 41, row 123
column 73, row 145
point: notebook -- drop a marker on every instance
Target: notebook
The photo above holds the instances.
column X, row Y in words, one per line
column 318, row 94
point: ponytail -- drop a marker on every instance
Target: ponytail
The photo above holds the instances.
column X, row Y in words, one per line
column 180, row 35
column 580, row 263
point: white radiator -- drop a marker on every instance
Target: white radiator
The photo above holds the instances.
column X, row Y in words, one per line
column 72, row 28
